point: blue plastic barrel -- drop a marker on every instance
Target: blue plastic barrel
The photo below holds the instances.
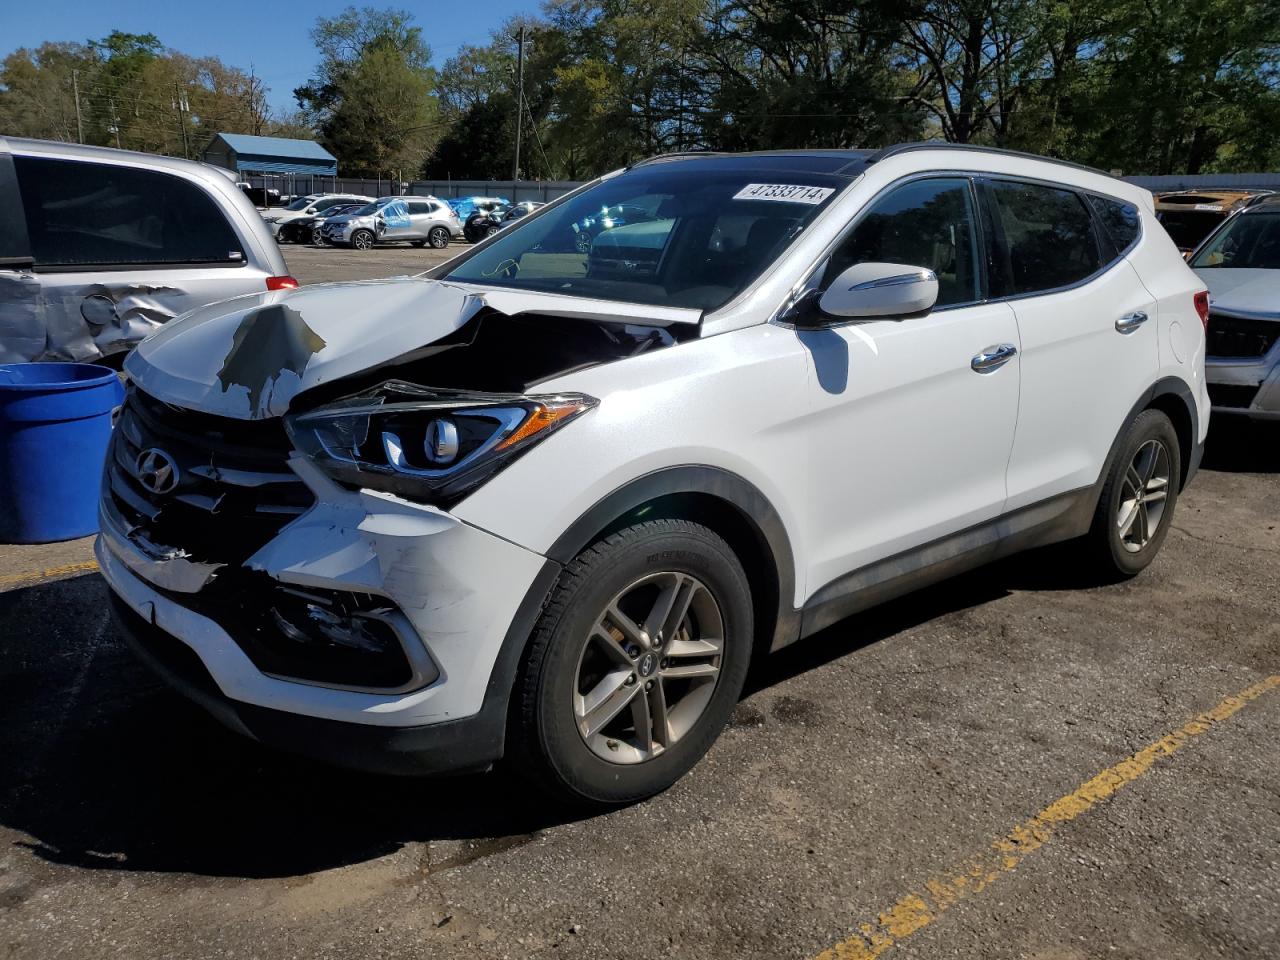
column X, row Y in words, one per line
column 55, row 421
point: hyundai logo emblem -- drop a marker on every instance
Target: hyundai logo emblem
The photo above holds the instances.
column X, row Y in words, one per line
column 156, row 471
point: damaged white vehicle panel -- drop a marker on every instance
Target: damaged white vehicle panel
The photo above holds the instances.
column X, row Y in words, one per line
column 546, row 501
column 277, row 345
column 103, row 246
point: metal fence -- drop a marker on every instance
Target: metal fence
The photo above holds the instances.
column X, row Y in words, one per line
column 515, row 190
column 1209, row 181
column 301, row 184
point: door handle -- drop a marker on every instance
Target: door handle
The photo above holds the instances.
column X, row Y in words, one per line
column 993, row 358
column 1131, row 321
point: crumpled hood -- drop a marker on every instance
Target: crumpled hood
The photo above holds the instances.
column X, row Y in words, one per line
column 1252, row 293
column 248, row 357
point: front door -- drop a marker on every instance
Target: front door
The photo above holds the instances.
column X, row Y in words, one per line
column 912, row 420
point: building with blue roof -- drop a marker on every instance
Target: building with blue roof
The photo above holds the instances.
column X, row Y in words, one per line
column 247, row 154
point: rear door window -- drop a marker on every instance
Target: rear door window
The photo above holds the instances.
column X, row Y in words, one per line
column 1048, row 238
column 419, row 207
column 97, row 215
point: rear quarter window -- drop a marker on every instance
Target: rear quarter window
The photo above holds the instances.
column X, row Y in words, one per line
column 1120, row 220
column 101, row 215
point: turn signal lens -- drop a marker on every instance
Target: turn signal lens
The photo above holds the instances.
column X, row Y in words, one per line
column 282, row 283
column 1202, row 308
column 545, row 416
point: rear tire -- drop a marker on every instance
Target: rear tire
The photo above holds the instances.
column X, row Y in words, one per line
column 617, row 700
column 1138, row 499
column 438, row 238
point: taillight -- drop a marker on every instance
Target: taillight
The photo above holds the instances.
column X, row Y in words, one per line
column 282, row 283
column 1202, row 308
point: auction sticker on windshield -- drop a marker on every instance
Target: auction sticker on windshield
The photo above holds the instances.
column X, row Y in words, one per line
column 784, row 192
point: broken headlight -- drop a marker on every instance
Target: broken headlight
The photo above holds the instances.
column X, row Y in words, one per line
column 428, row 444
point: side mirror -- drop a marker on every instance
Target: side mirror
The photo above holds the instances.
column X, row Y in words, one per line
column 880, row 291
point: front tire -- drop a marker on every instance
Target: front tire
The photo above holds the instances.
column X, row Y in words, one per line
column 635, row 665
column 1136, row 507
column 363, row 240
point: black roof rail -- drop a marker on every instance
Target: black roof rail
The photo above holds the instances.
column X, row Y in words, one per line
column 900, row 148
column 855, row 156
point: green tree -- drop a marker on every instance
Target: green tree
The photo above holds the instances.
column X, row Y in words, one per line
column 373, row 96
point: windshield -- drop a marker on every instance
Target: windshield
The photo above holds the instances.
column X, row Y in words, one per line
column 683, row 234
column 1249, row 241
column 1188, row 227
column 367, row 210
column 299, row 204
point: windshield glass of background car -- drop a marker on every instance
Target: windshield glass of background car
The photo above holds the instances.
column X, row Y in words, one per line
column 299, row 204
column 1250, row 241
column 1188, row 227
column 367, row 210
column 690, row 234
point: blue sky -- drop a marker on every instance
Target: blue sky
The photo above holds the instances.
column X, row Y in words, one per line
column 273, row 38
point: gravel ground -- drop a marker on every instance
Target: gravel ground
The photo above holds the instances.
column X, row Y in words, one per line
column 885, row 754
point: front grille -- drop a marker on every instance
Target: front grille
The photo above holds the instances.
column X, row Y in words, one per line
column 234, row 490
column 1236, row 337
column 1232, row 395
column 234, row 493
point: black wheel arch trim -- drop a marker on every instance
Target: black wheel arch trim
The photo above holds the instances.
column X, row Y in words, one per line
column 754, row 508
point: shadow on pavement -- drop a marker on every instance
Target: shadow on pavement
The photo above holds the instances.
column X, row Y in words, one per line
column 106, row 768
column 1237, row 445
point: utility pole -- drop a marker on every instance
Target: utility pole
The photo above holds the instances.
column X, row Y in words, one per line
column 75, row 91
column 115, row 121
column 520, row 41
column 180, row 101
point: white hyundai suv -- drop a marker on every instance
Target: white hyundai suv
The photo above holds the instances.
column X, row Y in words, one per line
column 546, row 503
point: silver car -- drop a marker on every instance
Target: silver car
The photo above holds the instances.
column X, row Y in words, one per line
column 1240, row 264
column 415, row 220
column 100, row 247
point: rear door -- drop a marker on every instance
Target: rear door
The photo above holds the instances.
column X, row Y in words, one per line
column 1088, row 331
column 118, row 249
column 421, row 218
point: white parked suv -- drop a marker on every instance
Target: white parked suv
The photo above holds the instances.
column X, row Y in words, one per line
column 546, row 503
column 308, row 206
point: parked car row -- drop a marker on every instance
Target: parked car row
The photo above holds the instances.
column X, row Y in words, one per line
column 365, row 222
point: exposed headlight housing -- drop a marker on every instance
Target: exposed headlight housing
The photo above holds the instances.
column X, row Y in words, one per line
column 431, row 445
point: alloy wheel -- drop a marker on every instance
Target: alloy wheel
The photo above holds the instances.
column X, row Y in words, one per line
column 648, row 668
column 439, row 238
column 1144, row 493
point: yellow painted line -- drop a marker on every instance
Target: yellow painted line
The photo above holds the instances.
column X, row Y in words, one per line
column 9, row 580
column 919, row 908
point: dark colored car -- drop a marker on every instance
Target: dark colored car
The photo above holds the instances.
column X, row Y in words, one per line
column 588, row 228
column 307, row 229
column 484, row 223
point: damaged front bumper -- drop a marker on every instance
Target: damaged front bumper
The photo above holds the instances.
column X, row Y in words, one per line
column 458, row 601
